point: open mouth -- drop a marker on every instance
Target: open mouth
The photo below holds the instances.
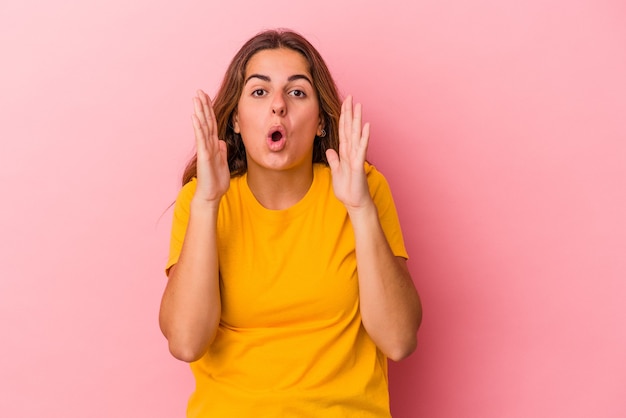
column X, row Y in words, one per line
column 276, row 136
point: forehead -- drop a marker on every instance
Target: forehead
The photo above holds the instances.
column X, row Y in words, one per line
column 277, row 63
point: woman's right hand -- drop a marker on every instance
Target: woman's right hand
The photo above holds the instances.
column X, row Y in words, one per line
column 212, row 165
column 191, row 306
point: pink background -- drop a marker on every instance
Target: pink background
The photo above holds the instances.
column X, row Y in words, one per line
column 500, row 125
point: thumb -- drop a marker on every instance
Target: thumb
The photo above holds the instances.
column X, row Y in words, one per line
column 332, row 158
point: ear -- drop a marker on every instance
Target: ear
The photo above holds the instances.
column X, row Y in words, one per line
column 320, row 126
column 236, row 123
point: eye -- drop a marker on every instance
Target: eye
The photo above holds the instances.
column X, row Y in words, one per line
column 297, row 93
column 258, row 93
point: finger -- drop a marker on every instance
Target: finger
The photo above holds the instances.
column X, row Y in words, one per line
column 223, row 148
column 201, row 149
column 341, row 129
column 202, row 96
column 213, row 119
column 207, row 111
column 199, row 114
column 363, row 144
column 356, row 127
column 333, row 159
column 348, row 119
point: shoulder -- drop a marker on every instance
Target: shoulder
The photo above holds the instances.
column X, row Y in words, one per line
column 186, row 193
column 375, row 179
column 372, row 171
column 234, row 193
column 183, row 201
column 323, row 172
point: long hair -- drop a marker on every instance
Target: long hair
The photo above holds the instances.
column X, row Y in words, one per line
column 227, row 98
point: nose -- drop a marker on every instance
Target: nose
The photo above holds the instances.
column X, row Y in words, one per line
column 279, row 106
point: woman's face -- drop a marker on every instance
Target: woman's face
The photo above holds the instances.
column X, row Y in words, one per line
column 278, row 112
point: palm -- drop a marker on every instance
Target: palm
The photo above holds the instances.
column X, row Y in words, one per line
column 347, row 167
column 212, row 165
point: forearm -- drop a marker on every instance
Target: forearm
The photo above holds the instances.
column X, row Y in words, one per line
column 390, row 306
column 191, row 308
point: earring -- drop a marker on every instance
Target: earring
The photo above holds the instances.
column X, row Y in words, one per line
column 323, row 134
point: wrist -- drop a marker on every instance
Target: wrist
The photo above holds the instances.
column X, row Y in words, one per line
column 362, row 212
column 204, row 206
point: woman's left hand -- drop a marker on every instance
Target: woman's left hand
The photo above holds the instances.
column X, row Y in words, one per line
column 347, row 168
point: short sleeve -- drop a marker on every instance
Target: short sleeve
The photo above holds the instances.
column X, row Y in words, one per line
column 381, row 194
column 180, row 221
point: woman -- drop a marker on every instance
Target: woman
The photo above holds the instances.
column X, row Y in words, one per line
column 287, row 280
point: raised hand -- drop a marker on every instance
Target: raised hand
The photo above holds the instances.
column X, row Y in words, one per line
column 212, row 165
column 349, row 178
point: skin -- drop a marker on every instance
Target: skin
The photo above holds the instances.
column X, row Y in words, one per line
column 277, row 92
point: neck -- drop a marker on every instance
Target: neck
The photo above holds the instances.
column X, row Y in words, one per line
column 282, row 189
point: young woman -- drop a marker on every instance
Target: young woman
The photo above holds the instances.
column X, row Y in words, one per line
column 287, row 280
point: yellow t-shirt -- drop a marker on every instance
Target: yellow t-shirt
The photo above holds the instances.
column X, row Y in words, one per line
column 290, row 341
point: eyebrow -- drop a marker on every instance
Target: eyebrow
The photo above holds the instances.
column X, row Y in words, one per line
column 290, row 79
